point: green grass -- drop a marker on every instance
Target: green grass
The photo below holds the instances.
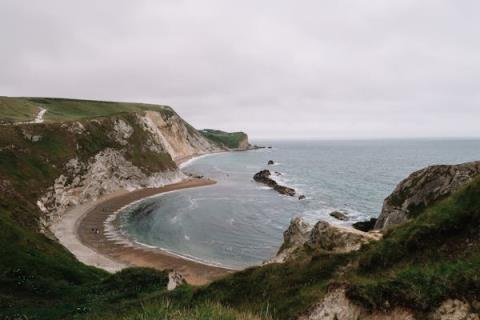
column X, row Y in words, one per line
column 230, row 139
column 167, row 310
column 17, row 110
column 431, row 258
column 60, row 109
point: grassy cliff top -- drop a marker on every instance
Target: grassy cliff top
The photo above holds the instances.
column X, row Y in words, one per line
column 232, row 140
column 24, row 109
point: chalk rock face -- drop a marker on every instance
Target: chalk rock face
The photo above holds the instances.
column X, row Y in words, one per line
column 423, row 188
column 321, row 236
column 455, row 310
column 174, row 136
column 335, row 306
column 175, row 280
column 337, row 239
column 106, row 172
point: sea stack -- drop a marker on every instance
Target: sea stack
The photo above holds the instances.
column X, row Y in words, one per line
column 264, row 177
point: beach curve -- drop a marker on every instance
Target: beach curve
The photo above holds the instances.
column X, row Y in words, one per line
column 82, row 231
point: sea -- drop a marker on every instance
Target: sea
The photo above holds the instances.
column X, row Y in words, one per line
column 238, row 222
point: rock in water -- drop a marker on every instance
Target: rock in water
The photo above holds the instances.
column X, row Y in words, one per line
column 302, row 197
column 270, row 162
column 339, row 215
column 423, row 188
column 366, row 225
column 264, row 177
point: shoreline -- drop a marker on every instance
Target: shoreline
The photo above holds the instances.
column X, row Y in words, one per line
column 83, row 231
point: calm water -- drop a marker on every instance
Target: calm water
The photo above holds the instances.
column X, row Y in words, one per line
column 238, row 222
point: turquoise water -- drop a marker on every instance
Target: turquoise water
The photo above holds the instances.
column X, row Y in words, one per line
column 239, row 223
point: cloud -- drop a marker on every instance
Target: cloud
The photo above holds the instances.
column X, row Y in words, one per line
column 325, row 69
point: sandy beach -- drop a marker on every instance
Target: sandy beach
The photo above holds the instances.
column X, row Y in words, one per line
column 81, row 230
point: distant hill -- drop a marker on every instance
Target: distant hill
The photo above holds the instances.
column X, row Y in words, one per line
column 233, row 140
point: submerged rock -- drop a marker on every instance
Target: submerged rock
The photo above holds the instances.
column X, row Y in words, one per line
column 302, row 197
column 423, row 188
column 366, row 225
column 264, row 177
column 339, row 215
column 271, row 162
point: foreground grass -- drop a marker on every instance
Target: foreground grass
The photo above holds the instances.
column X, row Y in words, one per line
column 166, row 310
column 429, row 259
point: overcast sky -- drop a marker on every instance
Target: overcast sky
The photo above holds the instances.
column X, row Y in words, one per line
column 319, row 69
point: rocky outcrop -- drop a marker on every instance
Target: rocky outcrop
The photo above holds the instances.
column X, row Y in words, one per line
column 106, row 172
column 322, row 236
column 327, row 237
column 264, row 177
column 296, row 235
column 175, row 136
column 336, row 305
column 456, row 310
column 422, row 188
column 339, row 215
column 175, row 279
column 366, row 225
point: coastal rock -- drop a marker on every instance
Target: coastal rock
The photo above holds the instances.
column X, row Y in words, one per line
column 271, row 162
column 366, row 225
column 336, row 305
column 455, row 310
column 302, row 197
column 175, row 280
column 423, row 188
column 339, row 215
column 171, row 134
column 322, row 236
column 296, row 235
column 264, row 177
column 327, row 237
column 106, row 172
column 284, row 190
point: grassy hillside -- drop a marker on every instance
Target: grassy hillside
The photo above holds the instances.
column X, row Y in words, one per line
column 232, row 140
column 60, row 109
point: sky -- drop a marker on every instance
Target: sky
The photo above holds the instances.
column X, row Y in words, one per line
column 322, row 69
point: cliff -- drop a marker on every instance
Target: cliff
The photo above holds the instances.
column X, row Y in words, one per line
column 80, row 150
column 422, row 188
column 233, row 140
